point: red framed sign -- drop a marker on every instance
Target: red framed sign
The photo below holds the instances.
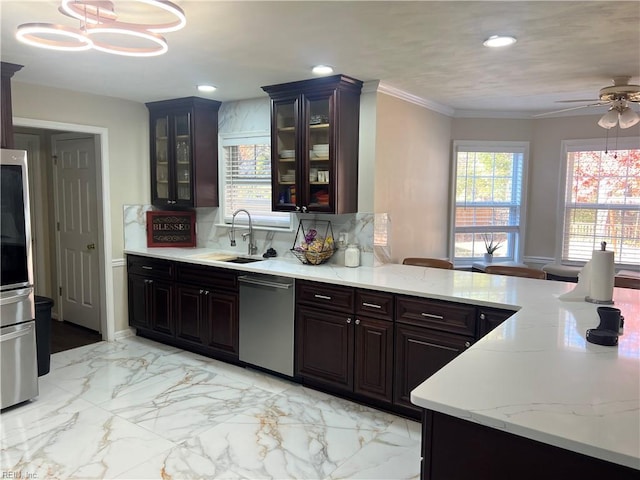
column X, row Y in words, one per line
column 171, row 229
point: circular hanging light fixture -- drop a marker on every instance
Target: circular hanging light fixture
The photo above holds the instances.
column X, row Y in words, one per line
column 160, row 44
column 99, row 17
column 53, row 37
column 90, row 12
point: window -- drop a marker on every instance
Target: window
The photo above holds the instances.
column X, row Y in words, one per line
column 246, row 176
column 601, row 200
column 488, row 199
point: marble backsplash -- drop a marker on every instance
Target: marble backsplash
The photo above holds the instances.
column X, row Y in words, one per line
column 368, row 230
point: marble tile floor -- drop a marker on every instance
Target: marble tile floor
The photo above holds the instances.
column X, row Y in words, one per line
column 137, row 409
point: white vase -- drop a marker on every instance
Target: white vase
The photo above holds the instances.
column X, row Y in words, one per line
column 488, row 257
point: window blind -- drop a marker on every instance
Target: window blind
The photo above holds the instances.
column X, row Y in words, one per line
column 247, row 182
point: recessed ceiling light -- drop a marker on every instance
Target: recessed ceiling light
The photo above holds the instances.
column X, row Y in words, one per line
column 206, row 88
column 499, row 41
column 322, row 69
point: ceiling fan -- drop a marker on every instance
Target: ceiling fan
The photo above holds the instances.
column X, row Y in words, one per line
column 618, row 96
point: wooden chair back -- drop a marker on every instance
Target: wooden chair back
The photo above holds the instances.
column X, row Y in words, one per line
column 516, row 271
column 428, row 262
column 627, row 281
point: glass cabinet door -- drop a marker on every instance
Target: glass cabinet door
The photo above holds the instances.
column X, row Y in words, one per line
column 285, row 161
column 162, row 170
column 182, row 145
column 319, row 154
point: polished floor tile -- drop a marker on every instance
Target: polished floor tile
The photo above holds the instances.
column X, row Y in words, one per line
column 136, row 409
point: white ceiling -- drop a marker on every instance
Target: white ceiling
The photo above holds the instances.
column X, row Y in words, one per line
column 431, row 50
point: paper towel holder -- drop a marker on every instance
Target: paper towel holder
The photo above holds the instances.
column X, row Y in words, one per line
column 603, row 247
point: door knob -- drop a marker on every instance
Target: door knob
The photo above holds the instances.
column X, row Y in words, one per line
column 91, row 246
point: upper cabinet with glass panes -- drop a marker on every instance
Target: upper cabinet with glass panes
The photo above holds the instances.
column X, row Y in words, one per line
column 314, row 144
column 184, row 152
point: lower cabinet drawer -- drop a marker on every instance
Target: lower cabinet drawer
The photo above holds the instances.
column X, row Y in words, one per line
column 207, row 277
column 150, row 267
column 322, row 295
column 445, row 316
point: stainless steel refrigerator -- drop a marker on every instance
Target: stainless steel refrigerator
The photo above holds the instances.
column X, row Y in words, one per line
column 18, row 367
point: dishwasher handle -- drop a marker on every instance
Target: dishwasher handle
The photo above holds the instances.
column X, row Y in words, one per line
column 264, row 283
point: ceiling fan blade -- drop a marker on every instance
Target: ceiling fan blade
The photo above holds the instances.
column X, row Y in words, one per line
column 600, row 104
column 578, row 101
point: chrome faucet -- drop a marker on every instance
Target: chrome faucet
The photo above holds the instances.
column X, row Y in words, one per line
column 252, row 248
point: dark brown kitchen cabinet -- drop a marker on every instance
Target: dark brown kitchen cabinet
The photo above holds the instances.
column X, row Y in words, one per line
column 184, row 152
column 345, row 340
column 150, row 292
column 490, row 318
column 191, row 306
column 314, row 144
column 428, row 335
column 208, row 309
column 324, row 346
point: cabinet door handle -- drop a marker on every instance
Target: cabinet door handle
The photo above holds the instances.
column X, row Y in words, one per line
column 357, row 321
column 431, row 315
column 297, row 208
column 372, row 305
column 304, row 209
column 482, row 316
column 323, row 297
column 147, row 267
column 206, row 292
column 467, row 344
column 348, row 320
column 201, row 292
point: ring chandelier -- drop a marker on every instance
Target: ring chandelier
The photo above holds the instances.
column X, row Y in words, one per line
column 98, row 19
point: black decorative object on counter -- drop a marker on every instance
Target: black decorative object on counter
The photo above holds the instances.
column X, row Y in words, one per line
column 314, row 242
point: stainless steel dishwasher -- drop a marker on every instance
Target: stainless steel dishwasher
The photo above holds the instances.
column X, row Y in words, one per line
column 266, row 322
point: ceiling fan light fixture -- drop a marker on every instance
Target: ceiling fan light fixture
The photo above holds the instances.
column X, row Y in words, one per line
column 496, row 41
column 628, row 118
column 609, row 119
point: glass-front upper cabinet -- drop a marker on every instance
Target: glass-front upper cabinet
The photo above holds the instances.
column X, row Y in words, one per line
column 286, row 154
column 314, row 136
column 184, row 152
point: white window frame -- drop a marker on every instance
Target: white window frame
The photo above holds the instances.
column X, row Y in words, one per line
column 278, row 221
column 593, row 144
column 517, row 252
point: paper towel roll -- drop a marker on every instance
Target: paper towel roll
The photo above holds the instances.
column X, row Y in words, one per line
column 602, row 276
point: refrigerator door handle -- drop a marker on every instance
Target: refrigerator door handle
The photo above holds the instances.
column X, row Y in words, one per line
column 15, row 296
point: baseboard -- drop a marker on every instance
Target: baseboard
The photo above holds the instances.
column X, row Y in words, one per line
column 120, row 334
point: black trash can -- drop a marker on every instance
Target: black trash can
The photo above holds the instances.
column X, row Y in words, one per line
column 43, row 333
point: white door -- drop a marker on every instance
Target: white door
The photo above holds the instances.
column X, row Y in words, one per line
column 77, row 229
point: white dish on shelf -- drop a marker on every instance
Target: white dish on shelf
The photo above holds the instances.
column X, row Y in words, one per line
column 321, row 147
column 287, row 153
column 318, row 156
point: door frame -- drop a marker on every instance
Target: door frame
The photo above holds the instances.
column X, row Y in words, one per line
column 101, row 135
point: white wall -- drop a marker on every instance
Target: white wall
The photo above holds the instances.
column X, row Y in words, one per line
column 412, row 177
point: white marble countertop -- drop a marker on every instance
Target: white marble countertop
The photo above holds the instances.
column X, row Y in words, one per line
column 534, row 376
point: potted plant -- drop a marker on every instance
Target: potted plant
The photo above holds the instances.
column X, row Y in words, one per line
column 491, row 246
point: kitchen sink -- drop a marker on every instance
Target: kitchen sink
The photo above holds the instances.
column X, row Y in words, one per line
column 243, row 260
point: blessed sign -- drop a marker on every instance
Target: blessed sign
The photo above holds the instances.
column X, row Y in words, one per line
column 171, row 229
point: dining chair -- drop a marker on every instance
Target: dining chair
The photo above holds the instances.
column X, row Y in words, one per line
column 627, row 279
column 428, row 262
column 516, row 271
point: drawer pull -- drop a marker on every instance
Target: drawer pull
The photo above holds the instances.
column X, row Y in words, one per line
column 483, row 316
column 348, row 320
column 357, row 321
column 147, row 267
column 323, row 297
column 372, row 305
column 431, row 315
column 467, row 344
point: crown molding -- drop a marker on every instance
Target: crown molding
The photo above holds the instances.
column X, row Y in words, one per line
column 408, row 97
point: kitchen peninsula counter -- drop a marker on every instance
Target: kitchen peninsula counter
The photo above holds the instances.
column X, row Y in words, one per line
column 533, row 376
